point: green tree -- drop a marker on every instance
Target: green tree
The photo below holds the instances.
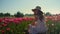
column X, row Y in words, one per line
column 19, row 14
column 48, row 14
column 1, row 14
column 7, row 14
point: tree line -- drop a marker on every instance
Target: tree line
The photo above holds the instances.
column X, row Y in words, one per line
column 19, row 14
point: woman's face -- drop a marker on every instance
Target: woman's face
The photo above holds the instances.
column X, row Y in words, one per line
column 35, row 14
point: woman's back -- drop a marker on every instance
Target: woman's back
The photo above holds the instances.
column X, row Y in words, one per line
column 41, row 26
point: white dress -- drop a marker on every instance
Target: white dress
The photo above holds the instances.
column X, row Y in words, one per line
column 39, row 28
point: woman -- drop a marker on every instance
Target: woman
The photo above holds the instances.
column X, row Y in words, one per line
column 40, row 25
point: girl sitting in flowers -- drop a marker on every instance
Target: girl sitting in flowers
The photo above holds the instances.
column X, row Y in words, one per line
column 39, row 26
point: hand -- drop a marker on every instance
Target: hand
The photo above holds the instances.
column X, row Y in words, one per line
column 34, row 23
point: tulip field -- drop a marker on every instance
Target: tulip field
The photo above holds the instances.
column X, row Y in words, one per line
column 18, row 25
column 14, row 25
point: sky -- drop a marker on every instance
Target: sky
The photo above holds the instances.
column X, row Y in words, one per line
column 25, row 6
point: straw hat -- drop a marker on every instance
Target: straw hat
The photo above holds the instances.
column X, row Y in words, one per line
column 37, row 8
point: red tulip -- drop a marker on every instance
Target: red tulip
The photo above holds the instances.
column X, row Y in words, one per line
column 25, row 19
column 20, row 19
column 4, row 24
column 11, row 20
column 2, row 31
column 0, row 19
column 7, row 29
column 30, row 19
column 16, row 22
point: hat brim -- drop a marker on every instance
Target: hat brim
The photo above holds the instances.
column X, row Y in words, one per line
column 34, row 9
